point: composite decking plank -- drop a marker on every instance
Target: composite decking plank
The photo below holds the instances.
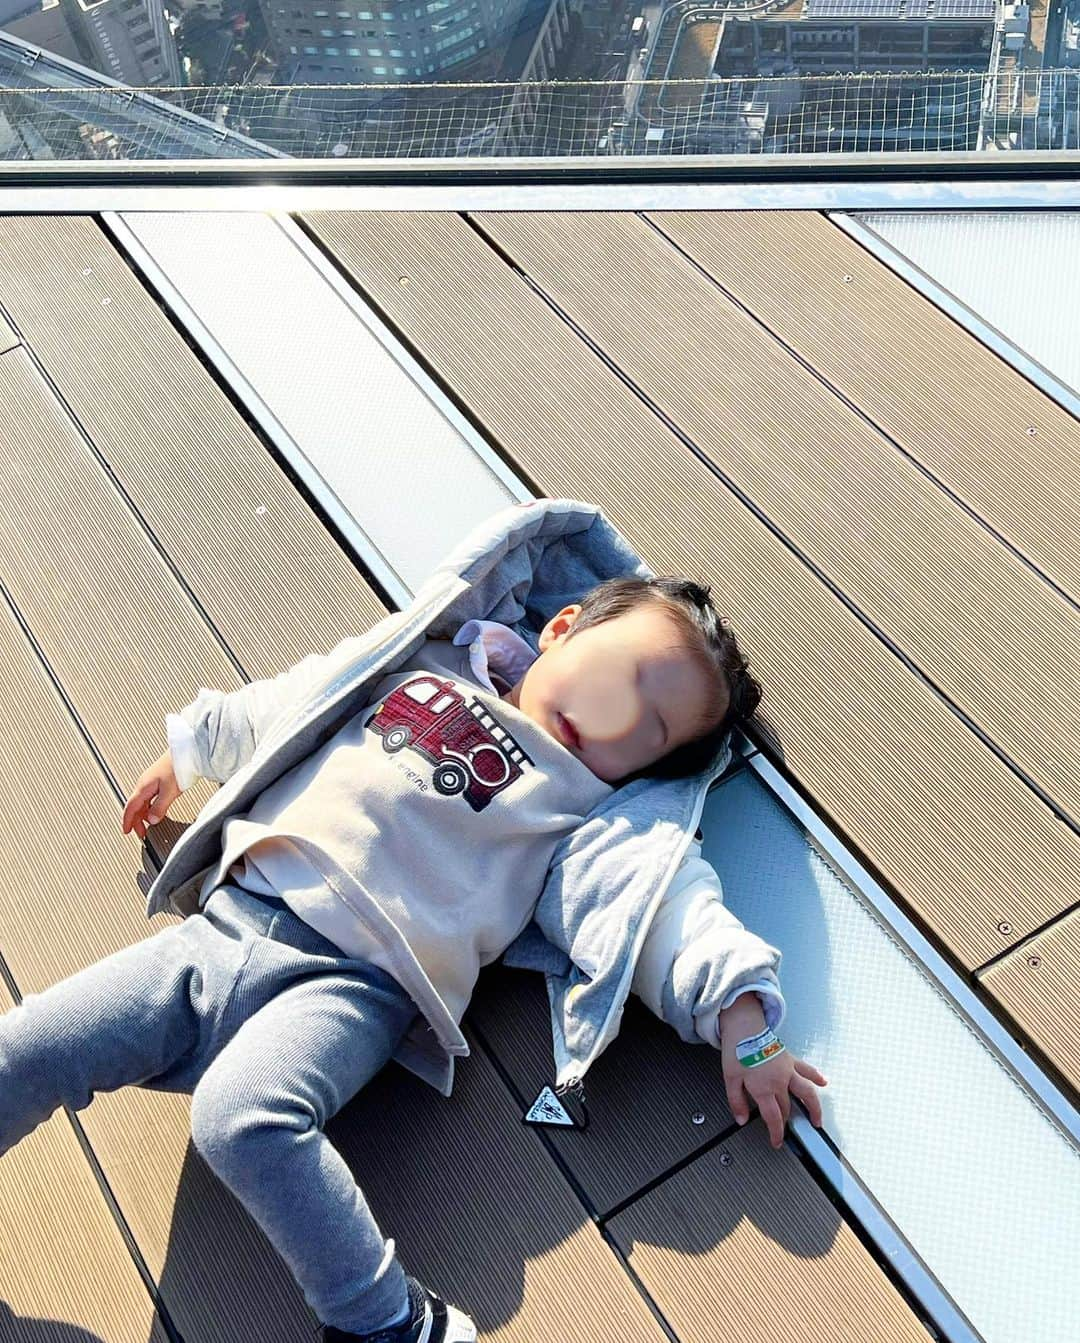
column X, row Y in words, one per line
column 1037, row 985
column 994, row 636
column 477, row 1208
column 745, row 1226
column 943, row 396
column 933, row 812
column 653, row 1100
column 221, row 508
column 71, row 893
column 109, row 615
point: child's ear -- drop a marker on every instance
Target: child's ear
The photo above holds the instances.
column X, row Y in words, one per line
column 560, row 624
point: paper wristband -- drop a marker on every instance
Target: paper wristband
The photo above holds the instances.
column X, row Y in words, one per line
column 757, row 1049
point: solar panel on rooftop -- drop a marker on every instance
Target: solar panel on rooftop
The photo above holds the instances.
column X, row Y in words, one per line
column 854, row 9
column 964, row 9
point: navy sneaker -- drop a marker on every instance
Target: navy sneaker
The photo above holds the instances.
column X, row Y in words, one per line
column 430, row 1320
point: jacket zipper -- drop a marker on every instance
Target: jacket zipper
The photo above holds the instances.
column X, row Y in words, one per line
column 575, row 1082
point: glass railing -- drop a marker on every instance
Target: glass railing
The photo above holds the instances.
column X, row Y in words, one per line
column 842, row 113
column 698, row 86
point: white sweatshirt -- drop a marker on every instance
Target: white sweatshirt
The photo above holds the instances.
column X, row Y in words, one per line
column 450, row 885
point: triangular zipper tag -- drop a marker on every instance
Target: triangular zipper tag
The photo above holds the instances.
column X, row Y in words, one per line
column 548, row 1109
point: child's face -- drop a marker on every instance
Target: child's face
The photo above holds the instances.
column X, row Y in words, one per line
column 627, row 686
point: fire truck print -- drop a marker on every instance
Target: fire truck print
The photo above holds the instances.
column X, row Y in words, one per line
column 471, row 750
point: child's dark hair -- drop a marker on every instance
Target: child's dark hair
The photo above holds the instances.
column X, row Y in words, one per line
column 734, row 693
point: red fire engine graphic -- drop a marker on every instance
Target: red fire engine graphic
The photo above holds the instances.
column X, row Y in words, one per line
column 472, row 752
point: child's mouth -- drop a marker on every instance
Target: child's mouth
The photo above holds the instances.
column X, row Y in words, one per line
column 569, row 735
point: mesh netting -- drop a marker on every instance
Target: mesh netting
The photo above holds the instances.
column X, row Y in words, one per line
column 793, row 113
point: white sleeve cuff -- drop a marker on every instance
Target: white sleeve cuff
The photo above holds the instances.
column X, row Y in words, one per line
column 772, row 1002
column 182, row 750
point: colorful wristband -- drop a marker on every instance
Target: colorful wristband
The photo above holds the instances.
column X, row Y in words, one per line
column 757, row 1049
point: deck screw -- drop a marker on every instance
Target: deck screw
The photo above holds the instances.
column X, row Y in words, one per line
column 848, row 279
column 403, row 279
column 726, row 1159
column 1031, row 429
column 1004, row 926
column 261, row 509
column 1034, row 961
column 698, row 1118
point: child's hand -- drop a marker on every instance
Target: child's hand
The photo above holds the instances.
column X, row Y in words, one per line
column 768, row 1084
column 154, row 794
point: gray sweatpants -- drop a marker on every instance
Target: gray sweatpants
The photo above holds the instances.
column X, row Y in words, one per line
column 271, row 1029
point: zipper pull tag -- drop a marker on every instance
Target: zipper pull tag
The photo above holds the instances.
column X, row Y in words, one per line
column 552, row 1106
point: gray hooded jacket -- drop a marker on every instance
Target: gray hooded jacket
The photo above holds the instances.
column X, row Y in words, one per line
column 607, row 880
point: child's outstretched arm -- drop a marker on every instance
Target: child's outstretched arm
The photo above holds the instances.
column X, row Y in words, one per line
column 709, row 977
column 154, row 793
column 218, row 732
column 698, row 958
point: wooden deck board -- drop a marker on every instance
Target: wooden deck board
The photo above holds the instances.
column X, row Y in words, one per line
column 222, row 510
column 995, row 634
column 971, row 850
column 643, row 1092
column 478, row 1209
column 72, row 893
column 1038, row 984
column 107, row 612
column 919, row 568
column 909, row 366
column 721, row 1239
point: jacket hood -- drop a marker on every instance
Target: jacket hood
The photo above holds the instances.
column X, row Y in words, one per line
column 528, row 561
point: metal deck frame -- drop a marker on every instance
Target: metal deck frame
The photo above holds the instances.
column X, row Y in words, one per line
column 969, row 180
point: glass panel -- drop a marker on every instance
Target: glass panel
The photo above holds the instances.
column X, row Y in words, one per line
column 526, row 79
column 359, row 392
